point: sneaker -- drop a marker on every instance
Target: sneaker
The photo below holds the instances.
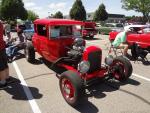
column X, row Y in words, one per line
column 127, row 55
column 9, row 59
column 2, row 86
column 8, row 80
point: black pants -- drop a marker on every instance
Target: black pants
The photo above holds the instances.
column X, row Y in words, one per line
column 3, row 60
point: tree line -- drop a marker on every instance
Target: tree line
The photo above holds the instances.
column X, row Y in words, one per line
column 13, row 9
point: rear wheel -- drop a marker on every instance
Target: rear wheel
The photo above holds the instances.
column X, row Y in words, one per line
column 122, row 68
column 71, row 86
column 29, row 52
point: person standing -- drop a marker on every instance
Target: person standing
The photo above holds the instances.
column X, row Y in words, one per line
column 4, row 69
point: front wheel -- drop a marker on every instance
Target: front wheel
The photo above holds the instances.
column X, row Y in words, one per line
column 122, row 68
column 71, row 86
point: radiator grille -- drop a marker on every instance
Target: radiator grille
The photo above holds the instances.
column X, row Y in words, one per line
column 95, row 60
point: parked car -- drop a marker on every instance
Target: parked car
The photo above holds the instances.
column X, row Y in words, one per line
column 59, row 42
column 89, row 29
column 98, row 26
column 29, row 31
column 22, row 26
column 139, row 34
column 108, row 27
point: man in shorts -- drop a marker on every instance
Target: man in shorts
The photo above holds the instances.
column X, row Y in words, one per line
column 121, row 41
column 4, row 70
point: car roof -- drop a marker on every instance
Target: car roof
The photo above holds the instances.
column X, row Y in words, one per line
column 58, row 22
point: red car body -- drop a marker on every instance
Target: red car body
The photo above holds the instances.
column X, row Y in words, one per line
column 56, row 40
column 45, row 46
column 89, row 29
column 137, row 35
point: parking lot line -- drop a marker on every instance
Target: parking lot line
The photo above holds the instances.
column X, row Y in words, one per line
column 144, row 78
column 27, row 91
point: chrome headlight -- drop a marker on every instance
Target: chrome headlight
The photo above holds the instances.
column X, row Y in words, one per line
column 83, row 67
column 109, row 59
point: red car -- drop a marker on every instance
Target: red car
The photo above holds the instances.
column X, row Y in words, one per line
column 140, row 34
column 59, row 42
column 89, row 29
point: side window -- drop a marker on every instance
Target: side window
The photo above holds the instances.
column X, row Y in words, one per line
column 41, row 30
column 60, row 31
column 54, row 33
column 65, row 30
column 77, row 30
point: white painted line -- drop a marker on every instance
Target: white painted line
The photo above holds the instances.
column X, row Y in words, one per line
column 144, row 78
column 27, row 91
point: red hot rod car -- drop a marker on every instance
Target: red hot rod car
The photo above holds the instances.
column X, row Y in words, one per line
column 89, row 29
column 139, row 34
column 59, row 42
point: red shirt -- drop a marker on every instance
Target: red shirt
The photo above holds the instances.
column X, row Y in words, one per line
column 2, row 43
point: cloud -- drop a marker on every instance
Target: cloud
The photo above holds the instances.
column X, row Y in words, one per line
column 43, row 9
column 33, row 7
column 27, row 1
column 30, row 4
column 37, row 8
column 60, row 5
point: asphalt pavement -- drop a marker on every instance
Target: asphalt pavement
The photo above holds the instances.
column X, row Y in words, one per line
column 35, row 89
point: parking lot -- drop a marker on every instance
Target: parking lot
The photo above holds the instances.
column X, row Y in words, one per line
column 36, row 89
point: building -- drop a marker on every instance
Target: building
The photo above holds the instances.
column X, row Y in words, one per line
column 112, row 18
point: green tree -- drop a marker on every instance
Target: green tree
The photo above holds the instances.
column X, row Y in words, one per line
column 58, row 15
column 12, row 9
column 128, row 18
column 77, row 11
column 142, row 6
column 32, row 16
column 100, row 14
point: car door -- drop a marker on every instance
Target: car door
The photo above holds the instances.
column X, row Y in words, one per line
column 57, row 43
column 133, row 37
column 42, row 35
column 144, row 40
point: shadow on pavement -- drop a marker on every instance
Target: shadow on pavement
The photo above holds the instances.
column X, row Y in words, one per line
column 87, row 107
column 16, row 90
column 145, row 62
column 88, row 38
column 55, row 68
column 37, row 62
column 97, row 91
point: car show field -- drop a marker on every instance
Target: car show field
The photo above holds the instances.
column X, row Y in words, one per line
column 74, row 56
column 36, row 88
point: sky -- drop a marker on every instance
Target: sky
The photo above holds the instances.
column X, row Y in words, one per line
column 47, row 7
